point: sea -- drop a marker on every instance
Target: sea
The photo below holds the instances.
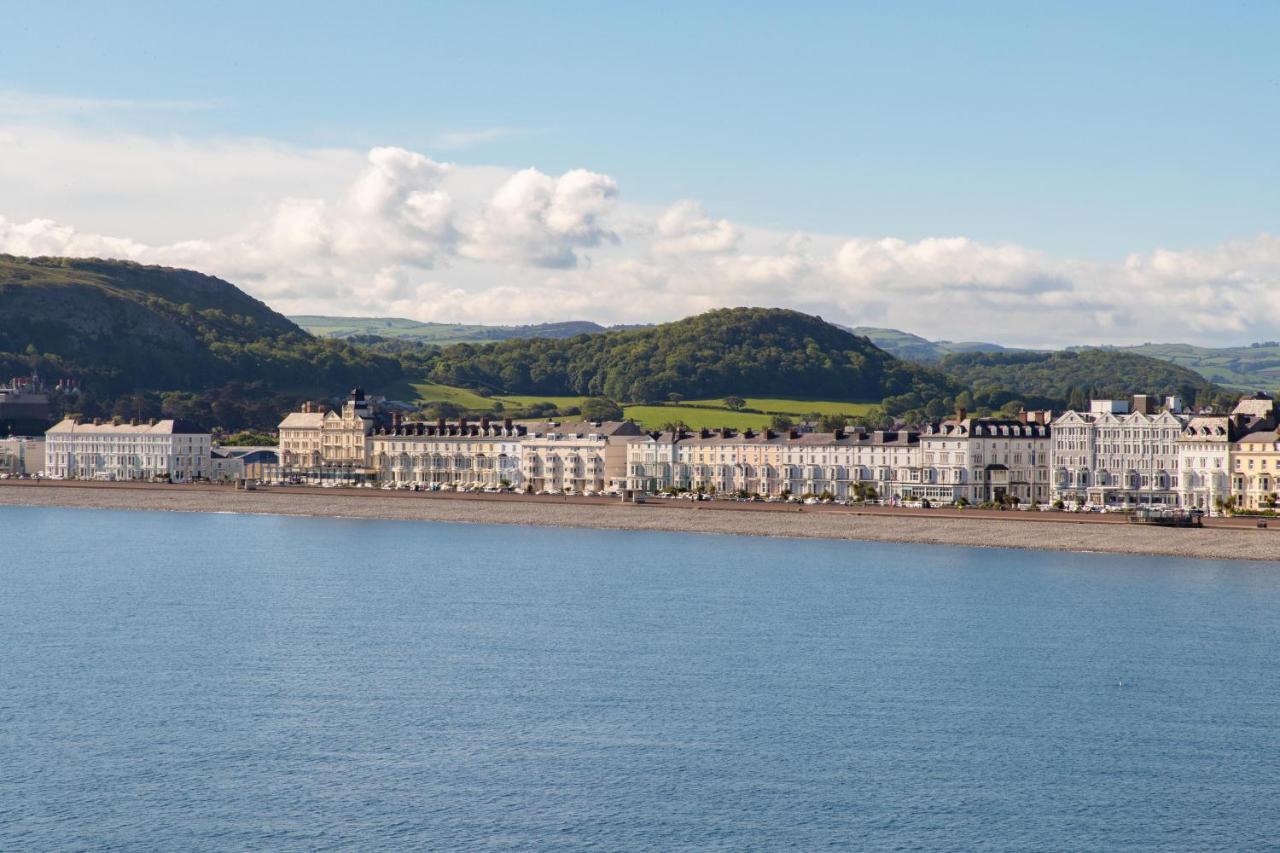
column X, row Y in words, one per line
column 176, row 682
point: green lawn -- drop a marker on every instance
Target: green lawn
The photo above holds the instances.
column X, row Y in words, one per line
column 794, row 407
column 510, row 400
column 700, row 413
column 695, row 418
column 427, row 392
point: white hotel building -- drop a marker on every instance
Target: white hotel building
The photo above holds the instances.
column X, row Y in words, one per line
column 1111, row 456
column 171, row 450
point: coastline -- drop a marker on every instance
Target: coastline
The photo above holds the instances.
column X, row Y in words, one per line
column 1027, row 531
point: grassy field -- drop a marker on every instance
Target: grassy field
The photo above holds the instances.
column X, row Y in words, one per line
column 696, row 414
column 693, row 417
column 426, row 392
column 510, row 400
column 793, row 407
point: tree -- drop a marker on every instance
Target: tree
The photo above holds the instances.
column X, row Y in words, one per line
column 734, row 402
column 780, row 422
column 601, row 409
column 831, row 423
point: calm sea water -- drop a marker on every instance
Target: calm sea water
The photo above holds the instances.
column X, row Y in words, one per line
column 186, row 682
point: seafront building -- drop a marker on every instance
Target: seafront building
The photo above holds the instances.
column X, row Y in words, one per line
column 484, row 455
column 983, row 460
column 772, row 464
column 172, row 450
column 231, row 464
column 327, row 446
column 1115, row 455
column 582, row 457
column 1204, row 460
column 20, row 455
column 1255, row 468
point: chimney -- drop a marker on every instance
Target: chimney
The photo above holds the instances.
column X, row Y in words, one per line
column 440, row 425
column 506, row 424
column 961, row 413
column 838, row 433
column 484, row 424
column 769, row 434
column 704, row 433
column 151, row 421
column 133, row 421
column 97, row 421
column 1022, row 417
column 793, row 433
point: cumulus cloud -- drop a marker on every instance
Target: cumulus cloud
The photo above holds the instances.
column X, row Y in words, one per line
column 541, row 220
column 685, row 228
column 393, row 231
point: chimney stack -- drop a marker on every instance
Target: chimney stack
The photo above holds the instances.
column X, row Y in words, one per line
column 506, row 424
column 793, row 433
column 961, row 413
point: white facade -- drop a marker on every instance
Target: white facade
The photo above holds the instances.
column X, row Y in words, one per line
column 987, row 460
column 166, row 449
column 1204, row 461
column 883, row 463
column 484, row 455
column 1108, row 459
column 578, row 457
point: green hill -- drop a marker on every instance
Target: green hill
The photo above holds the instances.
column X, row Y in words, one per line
column 756, row 351
column 442, row 334
column 1059, row 379
column 127, row 330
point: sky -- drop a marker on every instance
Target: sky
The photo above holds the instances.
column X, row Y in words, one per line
column 1030, row 173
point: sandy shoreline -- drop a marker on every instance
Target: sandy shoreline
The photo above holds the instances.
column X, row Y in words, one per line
column 1044, row 532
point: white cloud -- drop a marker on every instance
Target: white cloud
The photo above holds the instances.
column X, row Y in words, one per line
column 686, row 228
column 392, row 231
column 539, row 220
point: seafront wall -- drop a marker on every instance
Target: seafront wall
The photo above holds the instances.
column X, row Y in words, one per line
column 1041, row 531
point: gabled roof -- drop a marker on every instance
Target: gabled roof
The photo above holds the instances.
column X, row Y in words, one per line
column 302, row 420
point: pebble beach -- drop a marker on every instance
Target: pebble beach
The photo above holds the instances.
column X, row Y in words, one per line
column 1033, row 531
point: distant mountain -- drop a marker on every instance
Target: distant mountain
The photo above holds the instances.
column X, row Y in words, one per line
column 438, row 333
column 915, row 348
column 745, row 351
column 1252, row 368
column 1249, row 368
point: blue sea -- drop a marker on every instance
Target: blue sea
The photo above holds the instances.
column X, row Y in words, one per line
column 219, row 682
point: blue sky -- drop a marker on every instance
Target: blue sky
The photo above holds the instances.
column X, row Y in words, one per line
column 1085, row 131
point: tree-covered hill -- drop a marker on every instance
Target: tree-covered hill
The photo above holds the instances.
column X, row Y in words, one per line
column 764, row 352
column 1071, row 378
column 123, row 329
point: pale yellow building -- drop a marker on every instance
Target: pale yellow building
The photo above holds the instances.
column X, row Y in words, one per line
column 327, row 445
column 1255, row 469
